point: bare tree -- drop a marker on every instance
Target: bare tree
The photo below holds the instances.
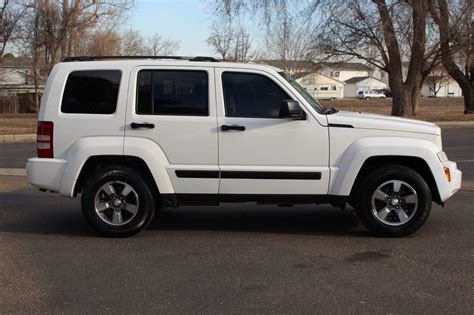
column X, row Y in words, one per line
column 231, row 42
column 288, row 41
column 456, row 30
column 242, row 48
column 78, row 16
column 10, row 15
column 32, row 44
column 61, row 23
column 103, row 43
column 49, row 29
column 159, row 46
column 133, row 43
column 383, row 33
column 221, row 38
column 435, row 82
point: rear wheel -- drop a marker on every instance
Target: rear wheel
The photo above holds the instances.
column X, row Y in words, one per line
column 367, row 98
column 118, row 202
column 393, row 200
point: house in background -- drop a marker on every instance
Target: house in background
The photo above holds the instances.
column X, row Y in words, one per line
column 356, row 84
column 16, row 76
column 333, row 80
column 17, row 85
column 320, row 86
column 437, row 84
column 440, row 86
column 343, row 71
column 292, row 66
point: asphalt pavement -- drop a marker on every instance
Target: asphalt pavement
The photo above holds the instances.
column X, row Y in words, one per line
column 234, row 258
column 15, row 155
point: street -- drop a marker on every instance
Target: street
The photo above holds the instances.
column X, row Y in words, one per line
column 233, row 258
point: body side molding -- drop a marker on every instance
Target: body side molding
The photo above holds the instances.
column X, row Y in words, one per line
column 249, row 174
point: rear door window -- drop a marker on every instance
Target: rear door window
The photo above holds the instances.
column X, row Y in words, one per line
column 173, row 92
column 91, row 92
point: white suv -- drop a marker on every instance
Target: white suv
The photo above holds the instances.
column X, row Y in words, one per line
column 370, row 94
column 134, row 136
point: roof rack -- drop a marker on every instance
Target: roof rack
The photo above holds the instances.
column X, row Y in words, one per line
column 93, row 58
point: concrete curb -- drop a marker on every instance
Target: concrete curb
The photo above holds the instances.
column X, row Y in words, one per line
column 455, row 123
column 17, row 138
column 12, row 172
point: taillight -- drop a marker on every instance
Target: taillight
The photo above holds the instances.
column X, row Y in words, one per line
column 45, row 139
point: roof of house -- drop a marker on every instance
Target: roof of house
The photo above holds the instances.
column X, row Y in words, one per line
column 10, row 62
column 355, row 79
column 358, row 79
column 303, row 74
column 349, row 66
column 291, row 64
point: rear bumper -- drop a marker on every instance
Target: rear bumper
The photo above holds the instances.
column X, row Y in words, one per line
column 45, row 173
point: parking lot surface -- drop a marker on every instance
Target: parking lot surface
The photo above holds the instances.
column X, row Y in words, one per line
column 234, row 258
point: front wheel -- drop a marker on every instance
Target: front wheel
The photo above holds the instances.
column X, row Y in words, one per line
column 118, row 202
column 394, row 200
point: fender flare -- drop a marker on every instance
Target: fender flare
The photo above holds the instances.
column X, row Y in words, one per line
column 360, row 150
column 154, row 157
column 84, row 148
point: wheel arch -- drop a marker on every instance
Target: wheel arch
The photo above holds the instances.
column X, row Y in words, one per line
column 413, row 162
column 94, row 163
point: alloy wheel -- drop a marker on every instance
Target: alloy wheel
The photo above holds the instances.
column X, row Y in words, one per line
column 394, row 203
column 116, row 203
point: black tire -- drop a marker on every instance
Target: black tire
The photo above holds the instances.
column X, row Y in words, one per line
column 142, row 194
column 367, row 98
column 418, row 214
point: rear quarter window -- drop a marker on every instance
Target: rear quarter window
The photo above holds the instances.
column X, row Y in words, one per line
column 91, row 92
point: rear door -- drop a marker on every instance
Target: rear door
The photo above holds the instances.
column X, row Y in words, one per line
column 175, row 108
column 260, row 152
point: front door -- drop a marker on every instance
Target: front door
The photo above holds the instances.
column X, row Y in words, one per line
column 260, row 152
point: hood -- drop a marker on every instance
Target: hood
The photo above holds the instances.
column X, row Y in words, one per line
column 382, row 122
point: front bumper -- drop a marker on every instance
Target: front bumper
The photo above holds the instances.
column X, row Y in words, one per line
column 45, row 173
column 456, row 178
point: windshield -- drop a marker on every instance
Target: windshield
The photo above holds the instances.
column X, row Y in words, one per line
column 314, row 103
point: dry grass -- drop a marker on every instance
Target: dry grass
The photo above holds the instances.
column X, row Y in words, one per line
column 431, row 109
column 17, row 124
column 12, row 183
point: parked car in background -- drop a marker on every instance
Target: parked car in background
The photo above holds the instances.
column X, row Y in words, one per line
column 370, row 94
column 385, row 92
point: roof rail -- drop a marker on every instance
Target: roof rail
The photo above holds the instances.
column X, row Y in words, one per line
column 93, row 58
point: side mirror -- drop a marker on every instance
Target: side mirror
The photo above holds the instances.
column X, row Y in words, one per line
column 291, row 109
